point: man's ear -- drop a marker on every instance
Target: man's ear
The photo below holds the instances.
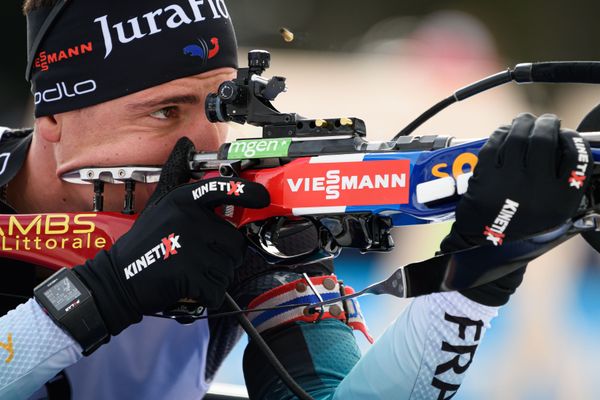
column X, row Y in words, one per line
column 49, row 128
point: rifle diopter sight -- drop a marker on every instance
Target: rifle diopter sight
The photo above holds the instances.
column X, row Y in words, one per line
column 247, row 99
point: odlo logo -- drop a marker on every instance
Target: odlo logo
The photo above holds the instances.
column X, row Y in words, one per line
column 495, row 233
column 63, row 90
column 168, row 246
column 577, row 177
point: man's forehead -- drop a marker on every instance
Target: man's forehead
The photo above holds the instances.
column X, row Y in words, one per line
column 116, row 56
column 187, row 90
column 201, row 81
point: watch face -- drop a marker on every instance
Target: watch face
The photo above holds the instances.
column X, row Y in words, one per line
column 66, row 299
column 62, row 293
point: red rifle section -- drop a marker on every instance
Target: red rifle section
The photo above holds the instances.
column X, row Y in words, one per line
column 57, row 240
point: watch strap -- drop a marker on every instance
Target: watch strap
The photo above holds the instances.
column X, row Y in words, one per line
column 79, row 317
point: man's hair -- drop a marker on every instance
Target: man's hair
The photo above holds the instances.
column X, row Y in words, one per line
column 30, row 5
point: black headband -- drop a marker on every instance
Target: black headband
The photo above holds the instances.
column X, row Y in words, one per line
column 83, row 53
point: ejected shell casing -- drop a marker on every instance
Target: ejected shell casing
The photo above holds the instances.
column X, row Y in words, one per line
column 286, row 34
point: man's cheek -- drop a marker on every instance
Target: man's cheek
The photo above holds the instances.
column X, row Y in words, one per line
column 143, row 193
column 209, row 137
column 223, row 130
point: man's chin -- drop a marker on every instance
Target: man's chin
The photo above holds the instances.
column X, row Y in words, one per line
column 146, row 190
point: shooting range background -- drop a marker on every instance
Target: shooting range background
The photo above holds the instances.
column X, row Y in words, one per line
column 386, row 62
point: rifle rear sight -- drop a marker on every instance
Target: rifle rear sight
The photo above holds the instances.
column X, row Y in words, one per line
column 247, row 99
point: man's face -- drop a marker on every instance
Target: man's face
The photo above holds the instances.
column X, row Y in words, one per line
column 138, row 129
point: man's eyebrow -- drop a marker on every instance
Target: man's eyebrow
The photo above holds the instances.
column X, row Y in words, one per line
column 172, row 100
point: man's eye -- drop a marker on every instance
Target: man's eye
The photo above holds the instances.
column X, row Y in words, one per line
column 165, row 113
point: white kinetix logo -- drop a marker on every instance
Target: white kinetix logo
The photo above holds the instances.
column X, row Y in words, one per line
column 495, row 233
column 577, row 177
column 167, row 247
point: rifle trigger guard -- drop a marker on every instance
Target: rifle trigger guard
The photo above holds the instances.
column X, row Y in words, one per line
column 364, row 231
column 588, row 222
column 267, row 237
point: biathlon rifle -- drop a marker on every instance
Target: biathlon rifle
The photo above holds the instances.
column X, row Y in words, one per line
column 324, row 175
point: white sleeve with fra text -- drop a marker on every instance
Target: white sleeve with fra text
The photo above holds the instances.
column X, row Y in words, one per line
column 424, row 354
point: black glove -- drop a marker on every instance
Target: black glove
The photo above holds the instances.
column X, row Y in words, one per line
column 530, row 177
column 177, row 248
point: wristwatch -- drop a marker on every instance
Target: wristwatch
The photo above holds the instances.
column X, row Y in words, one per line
column 70, row 304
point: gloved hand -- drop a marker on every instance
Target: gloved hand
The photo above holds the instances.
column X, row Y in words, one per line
column 177, row 248
column 530, row 177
